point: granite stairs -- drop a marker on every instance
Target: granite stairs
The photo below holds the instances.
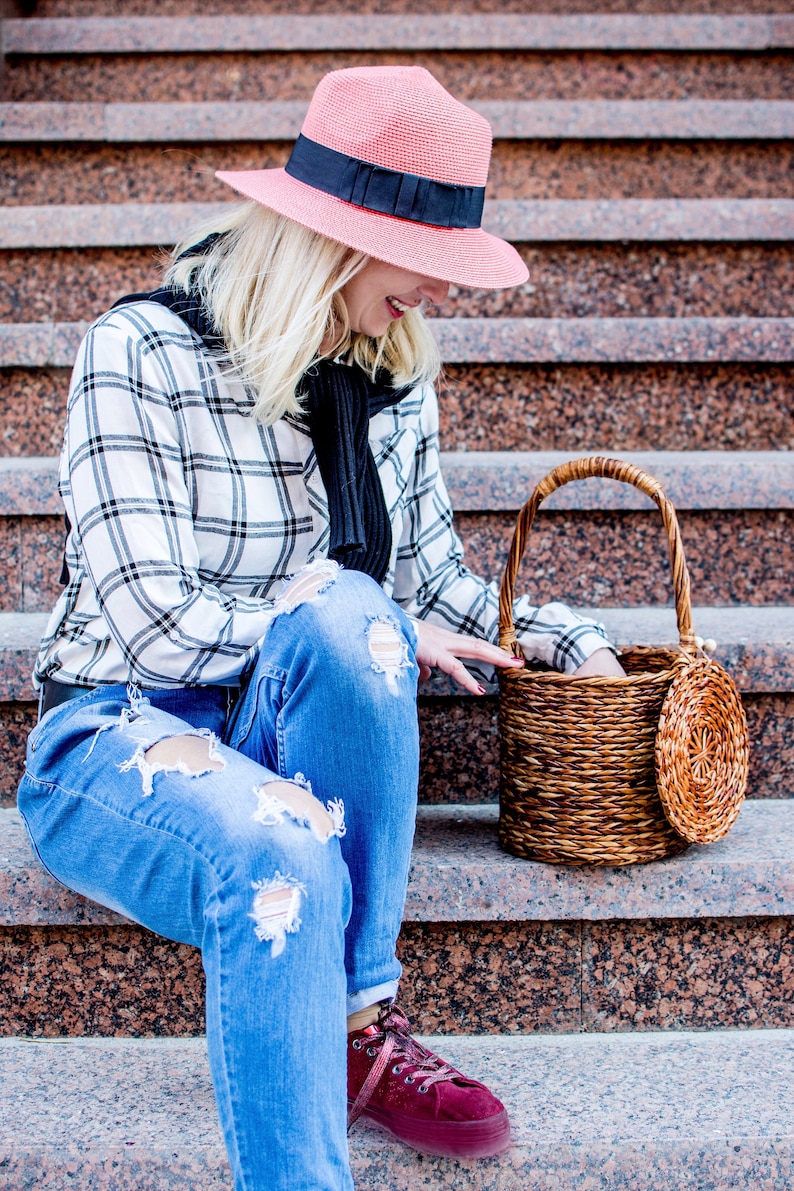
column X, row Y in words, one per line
column 640, row 1021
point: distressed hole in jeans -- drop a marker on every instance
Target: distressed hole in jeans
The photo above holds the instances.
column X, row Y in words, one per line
column 192, row 754
column 276, row 910
column 295, row 800
column 388, row 650
column 310, row 582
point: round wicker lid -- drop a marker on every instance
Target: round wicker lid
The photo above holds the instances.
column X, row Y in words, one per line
column 701, row 752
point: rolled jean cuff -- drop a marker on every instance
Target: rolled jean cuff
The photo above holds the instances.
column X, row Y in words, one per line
column 371, row 996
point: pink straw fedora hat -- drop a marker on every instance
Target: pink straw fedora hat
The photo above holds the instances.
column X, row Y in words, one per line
column 390, row 164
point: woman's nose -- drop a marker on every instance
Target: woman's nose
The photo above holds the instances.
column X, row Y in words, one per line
column 433, row 290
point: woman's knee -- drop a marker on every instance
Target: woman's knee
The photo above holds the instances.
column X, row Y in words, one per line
column 349, row 614
column 326, row 584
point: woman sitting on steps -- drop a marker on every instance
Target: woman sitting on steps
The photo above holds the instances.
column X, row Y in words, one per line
column 261, row 565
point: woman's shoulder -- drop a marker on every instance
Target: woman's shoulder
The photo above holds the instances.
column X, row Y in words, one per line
column 145, row 338
column 413, row 407
column 414, row 419
column 147, row 321
column 148, row 350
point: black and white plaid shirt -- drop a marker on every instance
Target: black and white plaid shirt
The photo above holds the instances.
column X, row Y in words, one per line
column 187, row 515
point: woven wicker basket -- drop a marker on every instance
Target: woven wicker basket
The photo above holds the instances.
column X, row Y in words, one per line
column 616, row 771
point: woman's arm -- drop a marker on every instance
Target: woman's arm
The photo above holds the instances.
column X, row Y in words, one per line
column 432, row 584
column 124, row 483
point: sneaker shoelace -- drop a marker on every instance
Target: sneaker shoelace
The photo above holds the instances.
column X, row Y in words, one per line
column 394, row 1041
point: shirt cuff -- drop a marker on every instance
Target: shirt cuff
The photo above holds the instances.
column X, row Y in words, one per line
column 584, row 646
column 561, row 639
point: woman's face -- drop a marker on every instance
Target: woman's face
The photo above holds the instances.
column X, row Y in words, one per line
column 381, row 293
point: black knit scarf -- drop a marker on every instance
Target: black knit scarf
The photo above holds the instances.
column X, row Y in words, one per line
column 340, row 400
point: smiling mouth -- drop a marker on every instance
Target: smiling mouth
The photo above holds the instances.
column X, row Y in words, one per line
column 397, row 308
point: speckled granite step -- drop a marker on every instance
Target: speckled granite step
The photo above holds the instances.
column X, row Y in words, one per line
column 510, row 340
column 459, row 874
column 502, row 480
column 459, row 738
column 663, row 406
column 755, row 644
column 213, row 75
column 475, row 55
column 634, row 1112
column 442, row 31
column 567, row 280
column 643, row 220
column 725, row 500
column 497, row 481
column 602, row 120
column 623, row 340
column 94, row 172
column 459, row 734
column 736, row 556
column 489, row 944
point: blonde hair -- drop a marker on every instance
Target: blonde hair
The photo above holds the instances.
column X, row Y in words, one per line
column 273, row 289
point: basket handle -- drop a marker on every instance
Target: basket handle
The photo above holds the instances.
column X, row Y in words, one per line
column 583, row 469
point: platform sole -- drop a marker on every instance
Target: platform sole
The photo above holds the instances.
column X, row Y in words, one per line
column 449, row 1139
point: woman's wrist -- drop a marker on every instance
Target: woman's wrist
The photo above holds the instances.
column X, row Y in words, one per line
column 602, row 662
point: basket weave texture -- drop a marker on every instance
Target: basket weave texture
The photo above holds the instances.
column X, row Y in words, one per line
column 701, row 753
column 614, row 770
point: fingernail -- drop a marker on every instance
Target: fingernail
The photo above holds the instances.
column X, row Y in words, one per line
column 516, row 661
column 481, row 689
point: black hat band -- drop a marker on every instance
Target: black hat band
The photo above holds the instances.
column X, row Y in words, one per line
column 389, row 192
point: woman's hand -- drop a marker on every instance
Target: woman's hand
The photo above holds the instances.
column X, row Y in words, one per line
column 601, row 663
column 440, row 649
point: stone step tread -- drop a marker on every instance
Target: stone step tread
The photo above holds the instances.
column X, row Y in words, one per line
column 615, row 340
column 503, row 480
column 459, row 874
column 497, row 481
column 756, row 644
column 574, row 408
column 441, row 31
column 593, row 119
column 510, row 340
column 646, row 1111
column 126, row 225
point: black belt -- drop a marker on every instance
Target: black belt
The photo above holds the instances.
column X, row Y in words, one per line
column 53, row 693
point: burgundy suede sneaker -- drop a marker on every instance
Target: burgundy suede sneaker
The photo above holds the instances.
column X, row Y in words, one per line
column 417, row 1097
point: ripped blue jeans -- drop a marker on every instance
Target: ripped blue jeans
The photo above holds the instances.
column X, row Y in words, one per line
column 279, row 844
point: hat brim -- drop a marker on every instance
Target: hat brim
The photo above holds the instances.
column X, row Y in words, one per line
column 462, row 256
